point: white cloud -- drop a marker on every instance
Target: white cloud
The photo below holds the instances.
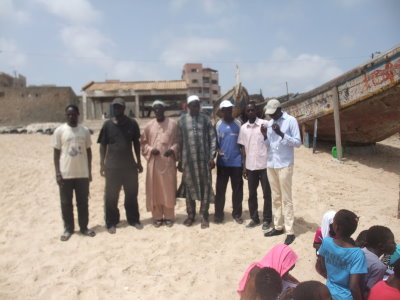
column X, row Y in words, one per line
column 10, row 13
column 185, row 50
column 74, row 11
column 10, row 55
column 86, row 42
column 83, row 42
column 302, row 72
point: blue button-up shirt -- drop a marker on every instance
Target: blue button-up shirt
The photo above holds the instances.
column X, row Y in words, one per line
column 281, row 150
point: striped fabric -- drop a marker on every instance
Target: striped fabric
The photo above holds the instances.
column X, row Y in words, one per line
column 197, row 142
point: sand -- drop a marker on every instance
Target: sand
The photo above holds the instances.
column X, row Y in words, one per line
column 169, row 263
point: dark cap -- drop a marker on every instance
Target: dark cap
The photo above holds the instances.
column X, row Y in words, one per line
column 118, row 101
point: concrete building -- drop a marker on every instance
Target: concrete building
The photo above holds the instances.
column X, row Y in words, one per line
column 22, row 105
column 10, row 81
column 139, row 95
column 203, row 82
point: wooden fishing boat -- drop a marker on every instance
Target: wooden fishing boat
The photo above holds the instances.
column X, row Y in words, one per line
column 239, row 97
column 369, row 103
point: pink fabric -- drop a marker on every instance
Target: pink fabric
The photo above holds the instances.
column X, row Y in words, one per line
column 281, row 258
column 252, row 139
column 318, row 236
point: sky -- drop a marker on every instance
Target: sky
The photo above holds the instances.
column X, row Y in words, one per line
column 303, row 43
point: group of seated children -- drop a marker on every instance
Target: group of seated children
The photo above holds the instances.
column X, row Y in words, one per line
column 353, row 269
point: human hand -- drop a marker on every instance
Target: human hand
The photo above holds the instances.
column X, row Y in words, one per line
column 168, row 153
column 244, row 173
column 263, row 130
column 59, row 179
column 211, row 164
column 155, row 151
column 277, row 129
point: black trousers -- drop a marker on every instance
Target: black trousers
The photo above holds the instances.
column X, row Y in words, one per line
column 81, row 187
column 223, row 175
column 115, row 179
column 254, row 178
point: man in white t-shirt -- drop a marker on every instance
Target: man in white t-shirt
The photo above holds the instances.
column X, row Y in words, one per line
column 72, row 161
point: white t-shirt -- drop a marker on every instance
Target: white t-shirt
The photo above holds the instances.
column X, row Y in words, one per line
column 73, row 143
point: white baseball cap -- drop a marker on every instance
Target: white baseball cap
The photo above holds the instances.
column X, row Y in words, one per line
column 225, row 103
column 272, row 106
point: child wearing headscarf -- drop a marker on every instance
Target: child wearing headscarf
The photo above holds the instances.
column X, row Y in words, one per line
column 325, row 229
column 281, row 258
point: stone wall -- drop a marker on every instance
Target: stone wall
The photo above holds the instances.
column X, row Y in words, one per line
column 22, row 106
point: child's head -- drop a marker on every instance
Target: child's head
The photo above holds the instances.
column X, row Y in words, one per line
column 381, row 238
column 361, row 240
column 268, row 284
column 311, row 290
column 345, row 223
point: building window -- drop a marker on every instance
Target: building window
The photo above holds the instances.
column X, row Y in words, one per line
column 195, row 81
column 215, row 92
column 214, row 81
column 194, row 70
column 206, row 80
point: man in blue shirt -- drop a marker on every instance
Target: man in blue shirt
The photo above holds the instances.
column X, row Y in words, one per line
column 229, row 164
column 281, row 135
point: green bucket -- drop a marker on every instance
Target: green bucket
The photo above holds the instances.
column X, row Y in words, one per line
column 334, row 152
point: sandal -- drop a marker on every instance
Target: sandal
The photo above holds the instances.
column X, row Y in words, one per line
column 157, row 223
column 65, row 236
column 169, row 223
column 88, row 232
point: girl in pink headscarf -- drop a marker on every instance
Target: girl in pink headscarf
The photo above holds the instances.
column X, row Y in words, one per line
column 281, row 258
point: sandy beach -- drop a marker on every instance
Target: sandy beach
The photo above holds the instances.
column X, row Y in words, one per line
column 177, row 262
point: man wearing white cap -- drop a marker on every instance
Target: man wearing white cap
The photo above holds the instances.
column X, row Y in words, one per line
column 160, row 148
column 281, row 135
column 229, row 164
column 196, row 142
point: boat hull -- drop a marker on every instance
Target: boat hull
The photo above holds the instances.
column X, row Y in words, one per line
column 369, row 103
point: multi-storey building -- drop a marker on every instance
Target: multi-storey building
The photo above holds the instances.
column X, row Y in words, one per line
column 202, row 82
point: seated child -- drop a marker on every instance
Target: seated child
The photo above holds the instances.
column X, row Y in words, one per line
column 341, row 262
column 325, row 229
column 361, row 239
column 389, row 289
column 311, row 290
column 380, row 240
column 268, row 284
column 281, row 258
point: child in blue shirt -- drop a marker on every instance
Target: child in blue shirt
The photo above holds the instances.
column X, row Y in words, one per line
column 342, row 263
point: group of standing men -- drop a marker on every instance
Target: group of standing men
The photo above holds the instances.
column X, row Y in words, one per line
column 257, row 151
